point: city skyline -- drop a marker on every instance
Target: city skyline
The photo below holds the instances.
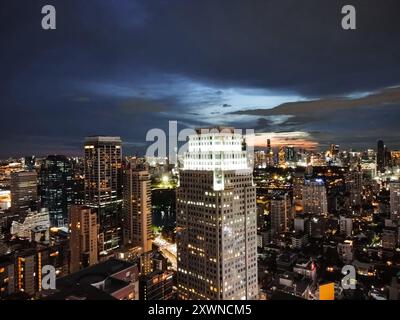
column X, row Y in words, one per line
column 286, row 69
column 227, row 153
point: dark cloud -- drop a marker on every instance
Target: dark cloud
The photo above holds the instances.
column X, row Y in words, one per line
column 127, row 49
column 352, row 122
column 312, row 107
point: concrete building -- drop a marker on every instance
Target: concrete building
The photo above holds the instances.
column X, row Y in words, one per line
column 23, row 191
column 216, row 219
column 56, row 188
column 112, row 279
column 280, row 213
column 395, row 201
column 314, row 197
column 346, row 225
column 30, row 224
column 137, row 206
column 156, row 286
column 103, row 187
column 83, row 237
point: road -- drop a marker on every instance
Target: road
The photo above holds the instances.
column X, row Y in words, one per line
column 168, row 249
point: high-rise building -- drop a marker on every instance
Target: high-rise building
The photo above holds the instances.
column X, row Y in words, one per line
column 334, row 150
column 30, row 162
column 103, row 159
column 156, row 285
column 282, row 157
column 280, row 213
column 137, row 206
column 298, row 182
column 354, row 181
column 269, row 154
column 216, row 219
column 395, row 200
column 23, row 191
column 380, row 156
column 314, row 197
column 83, row 237
column 290, row 154
column 56, row 188
column 346, row 225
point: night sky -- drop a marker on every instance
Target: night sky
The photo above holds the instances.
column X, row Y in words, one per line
column 285, row 68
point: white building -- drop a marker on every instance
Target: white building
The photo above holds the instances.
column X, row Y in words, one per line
column 216, row 220
column 33, row 221
column 345, row 251
column 346, row 225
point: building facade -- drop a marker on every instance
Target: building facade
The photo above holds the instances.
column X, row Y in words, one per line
column 83, row 237
column 103, row 160
column 137, row 206
column 216, row 220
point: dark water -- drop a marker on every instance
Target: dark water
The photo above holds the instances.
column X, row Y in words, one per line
column 163, row 206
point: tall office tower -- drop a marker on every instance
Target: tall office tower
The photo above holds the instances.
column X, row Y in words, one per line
column 137, row 206
column 314, row 197
column 83, row 237
column 103, row 159
column 23, row 191
column 280, row 213
column 269, row 154
column 56, row 188
column 298, row 182
column 156, row 286
column 30, row 162
column 216, row 219
column 282, row 157
column 333, row 150
column 380, row 156
column 290, row 154
column 395, row 201
column 260, row 159
column 354, row 185
column 346, row 225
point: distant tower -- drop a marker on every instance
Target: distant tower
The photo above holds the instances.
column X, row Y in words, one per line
column 24, row 191
column 103, row 161
column 314, row 197
column 269, row 154
column 380, row 156
column 137, row 206
column 280, row 213
column 83, row 237
column 282, row 157
column 56, row 188
column 395, row 200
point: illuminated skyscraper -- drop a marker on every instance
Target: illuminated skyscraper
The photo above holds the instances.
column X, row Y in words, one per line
column 269, row 154
column 137, row 206
column 282, row 157
column 380, row 156
column 354, row 181
column 103, row 158
column 216, row 220
column 56, row 188
column 394, row 200
column 314, row 197
column 290, row 154
column 83, row 237
column 23, row 191
column 280, row 213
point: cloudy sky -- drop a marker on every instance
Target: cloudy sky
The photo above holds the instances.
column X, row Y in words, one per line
column 285, row 68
